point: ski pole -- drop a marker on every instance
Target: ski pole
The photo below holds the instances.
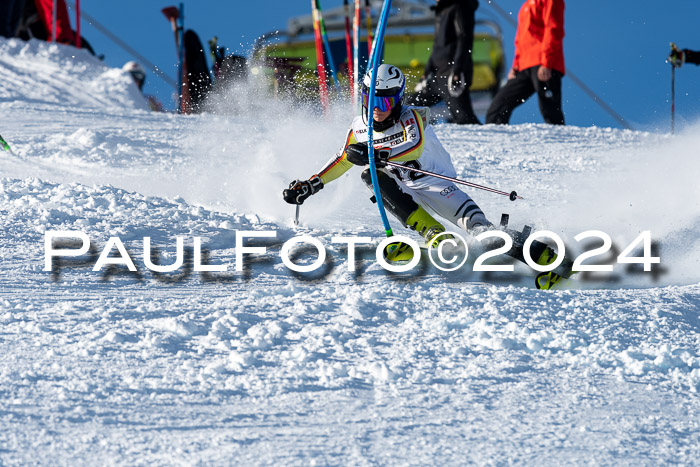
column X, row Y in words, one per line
column 512, row 195
column 296, row 216
column 673, row 98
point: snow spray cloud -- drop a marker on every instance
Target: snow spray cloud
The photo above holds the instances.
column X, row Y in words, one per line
column 654, row 187
column 256, row 142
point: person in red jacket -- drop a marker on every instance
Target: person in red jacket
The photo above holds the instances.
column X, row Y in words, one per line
column 64, row 33
column 538, row 66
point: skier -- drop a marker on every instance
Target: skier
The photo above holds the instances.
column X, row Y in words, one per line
column 538, row 65
column 678, row 57
column 449, row 71
column 403, row 135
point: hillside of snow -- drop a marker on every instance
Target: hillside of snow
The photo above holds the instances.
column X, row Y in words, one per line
column 267, row 366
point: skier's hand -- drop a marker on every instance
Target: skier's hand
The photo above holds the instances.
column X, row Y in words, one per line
column 358, row 154
column 512, row 73
column 677, row 57
column 544, row 73
column 299, row 190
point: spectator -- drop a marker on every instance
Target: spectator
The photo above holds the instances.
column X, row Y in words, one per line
column 64, row 33
column 10, row 15
column 139, row 74
column 538, row 65
column 678, row 57
column 448, row 73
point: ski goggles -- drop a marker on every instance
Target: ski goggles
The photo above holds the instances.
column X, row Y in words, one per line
column 382, row 103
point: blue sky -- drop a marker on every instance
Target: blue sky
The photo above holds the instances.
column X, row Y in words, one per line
column 617, row 48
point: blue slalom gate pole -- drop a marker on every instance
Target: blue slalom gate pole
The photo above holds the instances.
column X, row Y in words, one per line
column 375, row 60
column 181, row 54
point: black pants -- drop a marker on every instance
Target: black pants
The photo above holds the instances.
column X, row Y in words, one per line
column 519, row 89
column 10, row 15
column 436, row 91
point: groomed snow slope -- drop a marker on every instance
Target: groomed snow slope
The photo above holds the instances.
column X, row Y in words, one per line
column 266, row 367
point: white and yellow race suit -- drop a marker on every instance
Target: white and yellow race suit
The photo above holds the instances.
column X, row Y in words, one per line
column 412, row 143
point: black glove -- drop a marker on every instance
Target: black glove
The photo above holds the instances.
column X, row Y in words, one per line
column 358, row 154
column 298, row 190
column 677, row 57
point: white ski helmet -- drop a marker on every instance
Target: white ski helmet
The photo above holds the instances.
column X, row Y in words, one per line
column 389, row 92
column 137, row 72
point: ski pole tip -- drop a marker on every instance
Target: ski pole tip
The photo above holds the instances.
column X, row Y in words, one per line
column 513, row 196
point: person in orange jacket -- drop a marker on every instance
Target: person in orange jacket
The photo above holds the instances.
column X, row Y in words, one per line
column 538, row 65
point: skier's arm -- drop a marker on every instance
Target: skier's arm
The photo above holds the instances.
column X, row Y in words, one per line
column 553, row 40
column 300, row 190
column 339, row 164
column 414, row 141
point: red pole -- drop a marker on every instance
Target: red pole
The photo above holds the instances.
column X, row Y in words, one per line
column 320, row 63
column 348, row 48
column 77, row 23
column 368, row 14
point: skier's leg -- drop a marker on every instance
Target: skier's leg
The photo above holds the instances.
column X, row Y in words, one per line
column 549, row 98
column 402, row 206
column 515, row 92
column 453, row 204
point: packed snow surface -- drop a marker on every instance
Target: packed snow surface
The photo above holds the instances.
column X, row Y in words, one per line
column 267, row 366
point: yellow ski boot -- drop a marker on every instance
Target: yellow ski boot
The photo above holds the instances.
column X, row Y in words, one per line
column 423, row 223
column 547, row 280
column 430, row 229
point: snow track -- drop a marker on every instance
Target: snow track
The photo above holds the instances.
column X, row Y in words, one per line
column 270, row 368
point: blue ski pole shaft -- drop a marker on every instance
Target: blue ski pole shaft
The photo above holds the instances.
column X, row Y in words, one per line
column 375, row 59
